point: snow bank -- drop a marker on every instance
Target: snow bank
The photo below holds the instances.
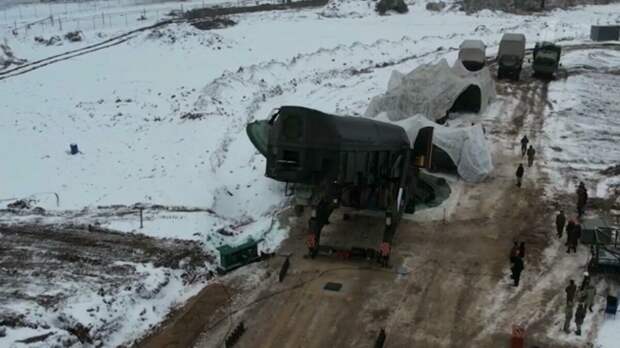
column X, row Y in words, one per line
column 581, row 125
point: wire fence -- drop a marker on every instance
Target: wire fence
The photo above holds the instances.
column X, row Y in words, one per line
column 71, row 20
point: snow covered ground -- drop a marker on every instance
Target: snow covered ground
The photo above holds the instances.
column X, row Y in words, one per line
column 160, row 119
column 582, row 125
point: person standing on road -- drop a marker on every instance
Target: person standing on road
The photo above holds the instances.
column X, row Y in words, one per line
column 572, row 237
column 530, row 156
column 590, row 294
column 560, row 221
column 570, row 227
column 524, row 142
column 585, row 282
column 514, row 252
column 519, row 174
column 568, row 316
column 580, row 315
column 570, row 290
column 517, row 268
column 582, row 199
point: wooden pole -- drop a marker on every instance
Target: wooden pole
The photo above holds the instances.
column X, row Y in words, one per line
column 141, row 220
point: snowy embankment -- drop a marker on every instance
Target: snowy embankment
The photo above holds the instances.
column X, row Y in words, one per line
column 582, row 129
column 160, row 119
column 582, row 125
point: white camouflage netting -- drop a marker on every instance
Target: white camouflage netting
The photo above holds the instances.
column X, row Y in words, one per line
column 466, row 146
column 430, row 90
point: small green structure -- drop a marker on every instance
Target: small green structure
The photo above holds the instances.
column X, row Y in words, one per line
column 232, row 257
column 596, row 231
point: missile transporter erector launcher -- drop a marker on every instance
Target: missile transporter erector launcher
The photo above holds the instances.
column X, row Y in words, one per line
column 345, row 161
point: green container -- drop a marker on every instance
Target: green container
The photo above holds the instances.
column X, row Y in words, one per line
column 232, row 257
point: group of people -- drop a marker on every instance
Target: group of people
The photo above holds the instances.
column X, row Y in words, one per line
column 530, row 152
column 585, row 296
column 517, row 254
column 573, row 231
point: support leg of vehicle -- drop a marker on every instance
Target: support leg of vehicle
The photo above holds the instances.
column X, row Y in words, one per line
column 319, row 218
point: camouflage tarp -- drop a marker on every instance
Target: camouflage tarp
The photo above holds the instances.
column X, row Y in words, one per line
column 431, row 90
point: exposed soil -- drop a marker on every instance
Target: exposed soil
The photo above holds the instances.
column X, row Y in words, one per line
column 47, row 256
column 225, row 11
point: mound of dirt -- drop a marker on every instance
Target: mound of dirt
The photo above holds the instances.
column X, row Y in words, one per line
column 348, row 9
column 398, row 6
column 54, row 40
column 611, row 171
column 74, row 36
column 7, row 58
column 436, row 6
column 20, row 204
column 214, row 23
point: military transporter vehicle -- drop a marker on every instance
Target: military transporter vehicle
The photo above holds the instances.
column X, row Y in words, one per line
column 472, row 53
column 546, row 59
column 351, row 162
column 510, row 56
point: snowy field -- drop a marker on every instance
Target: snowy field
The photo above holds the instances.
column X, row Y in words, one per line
column 160, row 119
column 582, row 124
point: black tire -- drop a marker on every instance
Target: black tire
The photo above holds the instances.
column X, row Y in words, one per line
column 313, row 252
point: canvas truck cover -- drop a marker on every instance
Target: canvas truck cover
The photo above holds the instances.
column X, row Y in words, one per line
column 512, row 44
column 472, row 50
column 466, row 146
column 431, row 90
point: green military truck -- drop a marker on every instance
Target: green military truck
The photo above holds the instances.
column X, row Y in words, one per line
column 510, row 56
column 546, row 59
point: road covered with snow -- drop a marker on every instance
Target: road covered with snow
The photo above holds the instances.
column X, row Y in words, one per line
column 160, row 124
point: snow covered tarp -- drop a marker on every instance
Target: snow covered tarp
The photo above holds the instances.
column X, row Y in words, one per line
column 466, row 146
column 434, row 90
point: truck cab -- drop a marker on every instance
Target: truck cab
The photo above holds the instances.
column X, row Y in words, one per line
column 546, row 58
column 510, row 56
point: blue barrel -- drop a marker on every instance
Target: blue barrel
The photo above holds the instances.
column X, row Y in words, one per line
column 74, row 149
